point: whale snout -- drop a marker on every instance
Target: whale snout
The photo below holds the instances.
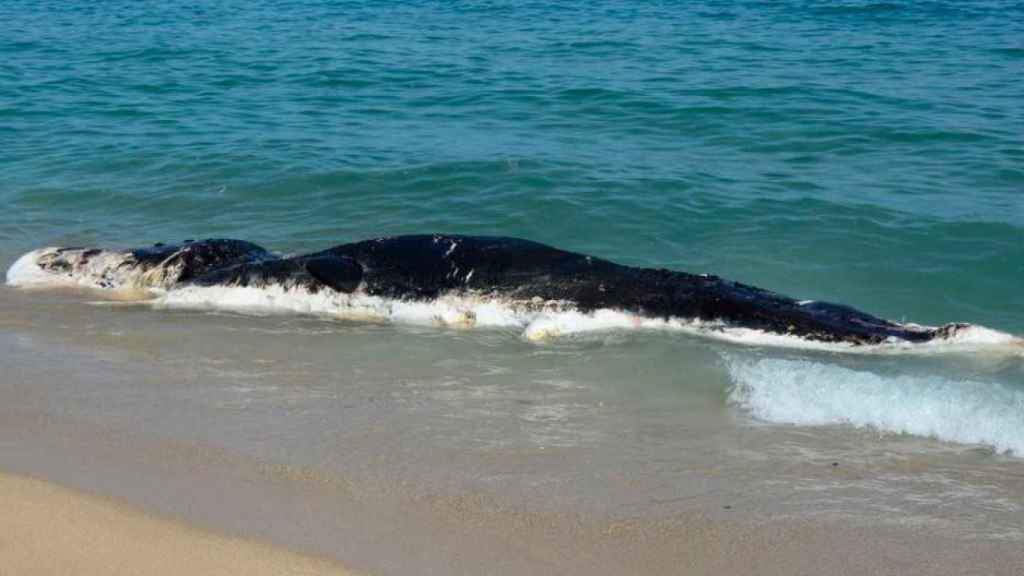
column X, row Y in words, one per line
column 158, row 267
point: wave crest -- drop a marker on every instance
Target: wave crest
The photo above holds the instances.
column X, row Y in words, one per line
column 813, row 394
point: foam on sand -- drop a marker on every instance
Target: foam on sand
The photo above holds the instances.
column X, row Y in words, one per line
column 810, row 393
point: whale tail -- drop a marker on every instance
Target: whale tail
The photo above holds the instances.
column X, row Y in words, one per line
column 872, row 329
column 950, row 331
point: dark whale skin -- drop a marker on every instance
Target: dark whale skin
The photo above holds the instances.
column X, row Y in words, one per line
column 424, row 267
column 194, row 259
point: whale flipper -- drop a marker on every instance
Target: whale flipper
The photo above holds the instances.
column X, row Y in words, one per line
column 340, row 273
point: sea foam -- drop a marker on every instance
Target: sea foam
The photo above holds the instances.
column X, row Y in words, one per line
column 541, row 320
column 809, row 393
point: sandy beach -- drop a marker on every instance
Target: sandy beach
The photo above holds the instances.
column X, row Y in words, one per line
column 51, row 530
column 230, row 455
column 47, row 529
column 512, row 288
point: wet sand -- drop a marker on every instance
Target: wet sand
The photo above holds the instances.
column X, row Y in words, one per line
column 391, row 527
column 329, row 445
column 50, row 530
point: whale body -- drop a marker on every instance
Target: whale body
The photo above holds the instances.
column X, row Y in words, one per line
column 424, row 268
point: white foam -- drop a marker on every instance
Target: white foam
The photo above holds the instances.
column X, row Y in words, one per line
column 463, row 311
column 968, row 339
column 810, row 393
column 547, row 326
column 539, row 320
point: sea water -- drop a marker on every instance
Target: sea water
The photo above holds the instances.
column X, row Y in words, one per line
column 866, row 153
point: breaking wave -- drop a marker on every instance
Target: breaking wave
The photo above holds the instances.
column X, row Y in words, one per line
column 809, row 393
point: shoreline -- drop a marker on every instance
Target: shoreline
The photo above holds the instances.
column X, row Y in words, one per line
column 246, row 521
column 50, row 529
column 374, row 488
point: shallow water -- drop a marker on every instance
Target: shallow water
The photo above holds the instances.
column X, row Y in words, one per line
column 856, row 152
column 627, row 424
column 865, row 153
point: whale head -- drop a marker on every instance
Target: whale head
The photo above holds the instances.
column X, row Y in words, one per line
column 157, row 267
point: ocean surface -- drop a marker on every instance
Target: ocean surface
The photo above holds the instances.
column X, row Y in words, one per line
column 868, row 153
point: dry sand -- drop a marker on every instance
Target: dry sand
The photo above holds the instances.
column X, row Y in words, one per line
column 46, row 529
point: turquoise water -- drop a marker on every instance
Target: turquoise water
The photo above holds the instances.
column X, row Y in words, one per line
column 868, row 153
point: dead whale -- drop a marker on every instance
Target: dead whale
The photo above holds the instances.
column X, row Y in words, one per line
column 423, row 268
